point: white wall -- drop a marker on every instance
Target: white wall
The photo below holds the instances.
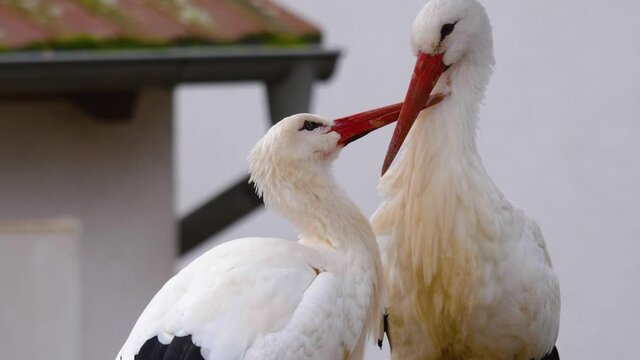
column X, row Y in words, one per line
column 559, row 135
column 116, row 180
column 40, row 282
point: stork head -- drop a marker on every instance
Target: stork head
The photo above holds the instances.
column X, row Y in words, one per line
column 297, row 143
column 452, row 29
column 296, row 153
column 446, row 36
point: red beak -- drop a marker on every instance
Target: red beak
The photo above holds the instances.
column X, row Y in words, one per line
column 356, row 126
column 425, row 76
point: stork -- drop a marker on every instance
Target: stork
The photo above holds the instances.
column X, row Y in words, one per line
column 468, row 273
column 265, row 298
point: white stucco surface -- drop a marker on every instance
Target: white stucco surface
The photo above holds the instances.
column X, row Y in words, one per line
column 558, row 134
column 40, row 282
column 116, row 180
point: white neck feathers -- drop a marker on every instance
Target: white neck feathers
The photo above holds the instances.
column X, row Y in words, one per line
column 326, row 218
column 440, row 201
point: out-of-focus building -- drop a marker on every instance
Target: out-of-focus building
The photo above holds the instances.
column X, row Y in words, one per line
column 87, row 225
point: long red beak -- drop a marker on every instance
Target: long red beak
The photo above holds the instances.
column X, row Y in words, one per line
column 356, row 126
column 425, row 76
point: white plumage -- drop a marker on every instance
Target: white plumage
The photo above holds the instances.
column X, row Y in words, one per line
column 469, row 274
column 263, row 298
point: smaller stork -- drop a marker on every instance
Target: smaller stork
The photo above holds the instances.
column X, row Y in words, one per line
column 265, row 298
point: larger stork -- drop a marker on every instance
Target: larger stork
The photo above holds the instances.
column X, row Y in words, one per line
column 469, row 274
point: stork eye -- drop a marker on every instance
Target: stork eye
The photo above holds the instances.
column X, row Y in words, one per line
column 310, row 125
column 446, row 30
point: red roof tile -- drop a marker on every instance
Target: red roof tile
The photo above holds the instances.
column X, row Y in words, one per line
column 16, row 31
column 88, row 23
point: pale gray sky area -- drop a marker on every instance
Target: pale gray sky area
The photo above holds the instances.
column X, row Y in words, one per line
column 559, row 134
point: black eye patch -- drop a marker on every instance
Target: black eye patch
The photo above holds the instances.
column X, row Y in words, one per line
column 446, row 30
column 310, row 125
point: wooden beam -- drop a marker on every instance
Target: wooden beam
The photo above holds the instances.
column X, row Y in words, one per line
column 216, row 214
column 109, row 106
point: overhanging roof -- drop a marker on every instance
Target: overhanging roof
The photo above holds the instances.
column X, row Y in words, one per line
column 79, row 70
column 37, row 24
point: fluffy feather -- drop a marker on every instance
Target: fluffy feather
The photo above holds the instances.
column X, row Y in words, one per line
column 263, row 298
column 468, row 273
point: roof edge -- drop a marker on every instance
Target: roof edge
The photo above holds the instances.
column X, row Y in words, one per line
column 80, row 70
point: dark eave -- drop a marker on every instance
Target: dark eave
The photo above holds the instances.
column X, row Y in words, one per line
column 37, row 72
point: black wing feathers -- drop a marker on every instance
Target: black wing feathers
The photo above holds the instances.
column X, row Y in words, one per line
column 151, row 350
column 180, row 348
column 553, row 355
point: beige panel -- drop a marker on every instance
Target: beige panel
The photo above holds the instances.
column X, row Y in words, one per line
column 40, row 282
column 117, row 179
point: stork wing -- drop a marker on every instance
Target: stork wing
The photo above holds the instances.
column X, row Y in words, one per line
column 180, row 348
column 248, row 298
column 535, row 286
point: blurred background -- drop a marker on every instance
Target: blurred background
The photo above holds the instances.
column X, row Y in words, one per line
column 119, row 167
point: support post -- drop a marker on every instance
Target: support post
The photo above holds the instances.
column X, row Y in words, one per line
column 291, row 94
column 287, row 95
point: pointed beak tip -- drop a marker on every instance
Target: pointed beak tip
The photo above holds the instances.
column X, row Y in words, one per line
column 385, row 167
column 426, row 73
